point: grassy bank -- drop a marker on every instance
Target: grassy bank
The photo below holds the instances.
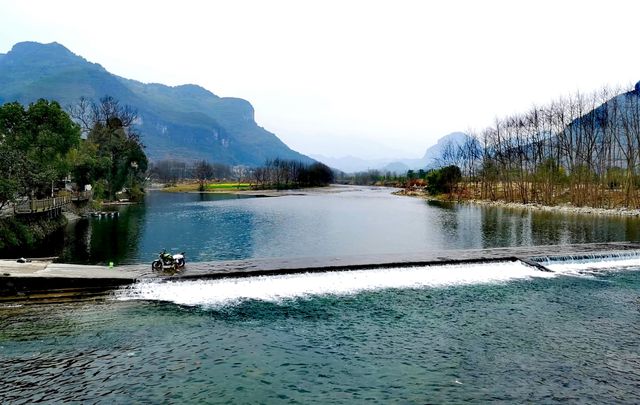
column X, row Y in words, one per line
column 208, row 188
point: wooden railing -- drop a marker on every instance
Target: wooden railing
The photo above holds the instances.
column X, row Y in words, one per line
column 48, row 204
column 82, row 195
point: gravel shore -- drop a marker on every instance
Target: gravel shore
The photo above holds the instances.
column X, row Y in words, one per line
column 564, row 208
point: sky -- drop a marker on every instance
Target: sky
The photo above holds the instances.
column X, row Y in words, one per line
column 372, row 79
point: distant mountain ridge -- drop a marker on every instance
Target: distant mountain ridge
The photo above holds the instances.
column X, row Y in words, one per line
column 351, row 164
column 184, row 122
column 431, row 158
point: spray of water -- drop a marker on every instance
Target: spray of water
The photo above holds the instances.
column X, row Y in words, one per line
column 221, row 292
column 214, row 293
column 584, row 267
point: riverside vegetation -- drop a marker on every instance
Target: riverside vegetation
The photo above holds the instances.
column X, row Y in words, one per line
column 44, row 150
column 582, row 150
column 41, row 146
column 274, row 174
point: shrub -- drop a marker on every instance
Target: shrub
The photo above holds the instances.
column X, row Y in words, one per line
column 443, row 180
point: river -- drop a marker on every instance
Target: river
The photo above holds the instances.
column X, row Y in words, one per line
column 443, row 334
column 338, row 222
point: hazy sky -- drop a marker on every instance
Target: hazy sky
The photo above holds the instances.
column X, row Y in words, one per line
column 366, row 78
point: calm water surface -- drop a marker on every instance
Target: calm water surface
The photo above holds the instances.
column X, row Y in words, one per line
column 358, row 221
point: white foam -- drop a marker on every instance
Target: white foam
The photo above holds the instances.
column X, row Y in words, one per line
column 215, row 293
column 592, row 265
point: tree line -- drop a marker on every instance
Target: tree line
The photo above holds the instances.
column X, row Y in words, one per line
column 112, row 157
column 274, row 173
column 282, row 174
column 172, row 170
column 583, row 149
column 374, row 177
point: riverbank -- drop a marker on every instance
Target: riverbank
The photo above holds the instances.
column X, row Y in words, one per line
column 563, row 209
column 566, row 208
column 193, row 187
column 257, row 192
column 245, row 189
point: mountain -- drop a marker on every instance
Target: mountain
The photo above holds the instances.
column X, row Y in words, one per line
column 435, row 152
column 433, row 155
column 184, row 122
column 621, row 111
column 431, row 159
column 351, row 164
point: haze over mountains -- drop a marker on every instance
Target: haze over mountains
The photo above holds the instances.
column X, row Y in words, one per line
column 430, row 159
column 184, row 122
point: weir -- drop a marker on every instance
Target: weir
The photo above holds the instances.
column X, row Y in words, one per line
column 43, row 279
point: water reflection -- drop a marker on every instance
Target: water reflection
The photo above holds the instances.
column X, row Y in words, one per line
column 473, row 226
column 357, row 221
column 104, row 240
column 217, row 225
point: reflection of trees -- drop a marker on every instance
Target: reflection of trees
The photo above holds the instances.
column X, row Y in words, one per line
column 77, row 242
column 469, row 226
column 209, row 228
column 116, row 240
column 458, row 225
column 513, row 227
column 95, row 240
column 501, row 227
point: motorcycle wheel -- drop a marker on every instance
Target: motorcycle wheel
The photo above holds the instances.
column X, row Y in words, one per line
column 156, row 265
column 180, row 263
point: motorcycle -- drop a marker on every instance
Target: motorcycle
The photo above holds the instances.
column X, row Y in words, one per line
column 168, row 261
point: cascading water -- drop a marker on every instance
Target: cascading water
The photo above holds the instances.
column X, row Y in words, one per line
column 586, row 263
column 279, row 288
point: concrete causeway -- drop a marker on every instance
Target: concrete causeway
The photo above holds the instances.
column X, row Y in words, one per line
column 45, row 279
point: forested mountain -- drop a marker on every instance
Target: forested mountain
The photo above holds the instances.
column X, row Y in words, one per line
column 184, row 122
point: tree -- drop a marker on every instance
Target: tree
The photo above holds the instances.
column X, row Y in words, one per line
column 120, row 158
column 34, row 145
column 443, row 180
column 12, row 169
column 202, row 171
column 86, row 165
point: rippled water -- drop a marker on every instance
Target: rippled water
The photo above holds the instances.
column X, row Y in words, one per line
column 448, row 334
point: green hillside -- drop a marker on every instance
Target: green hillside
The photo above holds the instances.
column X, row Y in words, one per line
column 184, row 122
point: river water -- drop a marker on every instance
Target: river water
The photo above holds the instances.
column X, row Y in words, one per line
column 354, row 221
column 442, row 334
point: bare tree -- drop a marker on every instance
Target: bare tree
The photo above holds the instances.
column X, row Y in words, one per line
column 202, row 171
